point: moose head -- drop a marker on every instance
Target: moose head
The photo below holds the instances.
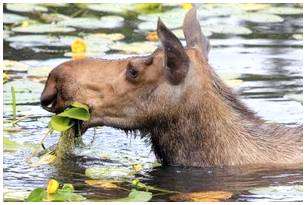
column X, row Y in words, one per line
column 133, row 92
column 175, row 99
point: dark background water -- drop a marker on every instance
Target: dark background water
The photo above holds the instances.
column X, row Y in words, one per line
column 265, row 67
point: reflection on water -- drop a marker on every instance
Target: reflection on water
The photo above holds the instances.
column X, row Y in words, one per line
column 267, row 63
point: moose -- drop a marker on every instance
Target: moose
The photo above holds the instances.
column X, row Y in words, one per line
column 175, row 100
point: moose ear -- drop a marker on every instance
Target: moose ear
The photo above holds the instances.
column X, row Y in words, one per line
column 193, row 33
column 176, row 59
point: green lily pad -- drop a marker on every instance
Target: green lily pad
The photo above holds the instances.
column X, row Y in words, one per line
column 26, row 8
column 10, row 146
column 227, row 29
column 22, row 41
column 93, row 23
column 13, row 18
column 64, row 195
column 204, row 12
column 36, row 195
column 259, row 17
column 136, row 196
column 112, row 21
column 298, row 36
column 104, row 36
column 135, row 48
column 10, row 66
column 110, row 8
column 107, row 172
column 278, row 193
column 60, row 123
column 44, row 28
column 284, row 10
column 76, row 113
column 14, row 195
column 55, row 17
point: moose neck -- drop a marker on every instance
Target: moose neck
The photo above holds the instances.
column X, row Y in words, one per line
column 208, row 129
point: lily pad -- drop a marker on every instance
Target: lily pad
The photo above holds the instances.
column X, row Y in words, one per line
column 284, row 10
column 173, row 19
column 259, row 17
column 220, row 11
column 278, row 193
column 14, row 195
column 43, row 28
column 107, row 172
column 136, row 196
column 227, row 29
column 93, row 23
column 210, row 196
column 110, row 8
column 105, row 184
column 10, row 146
column 135, row 48
column 10, row 66
column 22, row 41
column 13, row 18
column 26, row 8
column 298, row 36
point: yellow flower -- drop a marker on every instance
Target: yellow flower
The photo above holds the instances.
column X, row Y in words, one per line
column 187, row 6
column 136, row 167
column 52, row 186
column 152, row 36
column 78, row 46
column 25, row 24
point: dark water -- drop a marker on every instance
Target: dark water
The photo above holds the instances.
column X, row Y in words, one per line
column 265, row 67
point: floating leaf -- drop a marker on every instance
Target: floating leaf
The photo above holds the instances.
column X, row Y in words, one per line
column 284, row 10
column 44, row 28
column 45, row 159
column 36, row 195
column 110, row 8
column 13, row 18
column 93, row 23
column 148, row 7
column 76, row 113
column 259, row 17
column 10, row 146
column 26, row 8
column 106, row 172
column 252, row 7
column 14, row 66
column 14, row 195
column 136, row 47
column 80, row 105
column 52, row 186
column 227, row 29
column 103, row 184
column 202, row 196
column 64, row 195
column 278, row 193
column 68, row 187
column 136, row 196
column 61, row 123
column 298, row 36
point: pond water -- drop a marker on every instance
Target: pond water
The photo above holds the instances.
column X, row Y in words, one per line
column 257, row 49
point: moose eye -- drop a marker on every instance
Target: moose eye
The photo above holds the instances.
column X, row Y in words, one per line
column 132, row 73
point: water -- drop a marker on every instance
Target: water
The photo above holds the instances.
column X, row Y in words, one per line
column 264, row 67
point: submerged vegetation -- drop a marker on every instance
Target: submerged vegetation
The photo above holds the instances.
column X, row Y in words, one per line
column 70, row 167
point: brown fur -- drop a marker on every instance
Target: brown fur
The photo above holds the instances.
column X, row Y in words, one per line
column 177, row 102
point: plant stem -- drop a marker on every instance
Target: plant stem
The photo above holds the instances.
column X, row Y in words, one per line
column 13, row 103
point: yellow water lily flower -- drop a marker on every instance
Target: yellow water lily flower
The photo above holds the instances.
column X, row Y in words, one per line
column 187, row 6
column 136, row 167
column 52, row 186
column 78, row 48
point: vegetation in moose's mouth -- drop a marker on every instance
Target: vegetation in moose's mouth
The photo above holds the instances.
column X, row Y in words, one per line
column 255, row 48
